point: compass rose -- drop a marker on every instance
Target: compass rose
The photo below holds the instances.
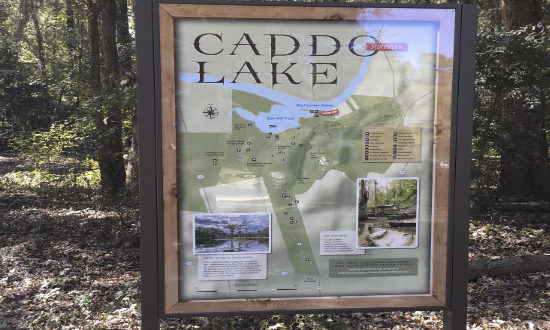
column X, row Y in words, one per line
column 210, row 112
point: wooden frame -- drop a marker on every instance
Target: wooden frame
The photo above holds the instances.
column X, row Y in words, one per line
column 443, row 160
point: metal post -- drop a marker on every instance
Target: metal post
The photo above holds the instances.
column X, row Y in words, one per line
column 455, row 317
column 147, row 163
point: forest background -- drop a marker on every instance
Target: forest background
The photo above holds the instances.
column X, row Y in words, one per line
column 69, row 224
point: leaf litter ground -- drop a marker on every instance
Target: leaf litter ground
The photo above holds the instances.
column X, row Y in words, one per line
column 70, row 260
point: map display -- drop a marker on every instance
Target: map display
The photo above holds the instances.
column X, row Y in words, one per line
column 305, row 156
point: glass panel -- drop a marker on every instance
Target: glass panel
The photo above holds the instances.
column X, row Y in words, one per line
column 306, row 153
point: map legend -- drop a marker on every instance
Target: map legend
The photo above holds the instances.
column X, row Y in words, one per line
column 391, row 144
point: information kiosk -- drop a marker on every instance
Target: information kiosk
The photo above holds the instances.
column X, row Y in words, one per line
column 304, row 157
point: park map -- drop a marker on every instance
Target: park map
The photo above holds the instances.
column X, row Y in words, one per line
column 272, row 143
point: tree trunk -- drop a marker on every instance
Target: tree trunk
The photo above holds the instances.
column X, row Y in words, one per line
column 71, row 28
column 39, row 41
column 518, row 264
column 24, row 11
column 525, row 167
column 69, row 12
column 95, row 72
column 28, row 9
column 132, row 165
column 125, row 52
column 111, row 151
column 105, row 105
column 525, row 172
column 125, row 42
column 95, row 83
column 518, row 13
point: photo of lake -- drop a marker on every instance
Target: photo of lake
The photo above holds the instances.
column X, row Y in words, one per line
column 231, row 233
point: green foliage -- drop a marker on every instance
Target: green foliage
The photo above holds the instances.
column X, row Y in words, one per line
column 232, row 228
column 48, row 114
column 87, row 177
column 46, row 109
column 401, row 193
column 204, row 233
column 68, row 144
column 263, row 233
column 510, row 66
column 25, row 102
column 210, row 233
column 60, row 140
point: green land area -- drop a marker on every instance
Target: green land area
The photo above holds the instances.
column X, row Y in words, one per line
column 289, row 162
